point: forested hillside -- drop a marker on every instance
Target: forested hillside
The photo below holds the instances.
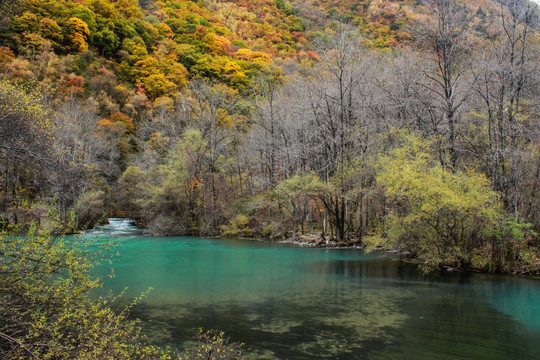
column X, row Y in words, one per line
column 405, row 125
column 399, row 124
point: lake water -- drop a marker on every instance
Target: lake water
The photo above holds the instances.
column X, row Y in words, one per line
column 287, row 302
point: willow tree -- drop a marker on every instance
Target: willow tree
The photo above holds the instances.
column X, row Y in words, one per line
column 441, row 216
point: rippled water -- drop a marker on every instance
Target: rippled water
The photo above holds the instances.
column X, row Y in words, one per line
column 294, row 303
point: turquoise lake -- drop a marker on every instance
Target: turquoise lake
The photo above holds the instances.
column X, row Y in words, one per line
column 287, row 302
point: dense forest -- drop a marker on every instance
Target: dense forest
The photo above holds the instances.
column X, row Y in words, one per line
column 410, row 125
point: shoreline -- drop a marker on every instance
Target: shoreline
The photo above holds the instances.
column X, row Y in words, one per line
column 316, row 241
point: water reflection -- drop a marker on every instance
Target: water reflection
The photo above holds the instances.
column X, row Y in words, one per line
column 294, row 303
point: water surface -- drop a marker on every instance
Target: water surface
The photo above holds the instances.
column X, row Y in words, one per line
column 287, row 302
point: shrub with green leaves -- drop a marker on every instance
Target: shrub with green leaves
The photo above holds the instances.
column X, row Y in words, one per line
column 238, row 226
column 438, row 214
column 45, row 308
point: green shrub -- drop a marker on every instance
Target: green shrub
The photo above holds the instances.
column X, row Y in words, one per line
column 437, row 214
column 45, row 308
column 238, row 226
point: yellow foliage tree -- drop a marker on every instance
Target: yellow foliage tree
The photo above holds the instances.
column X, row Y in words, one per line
column 234, row 75
column 157, row 85
column 217, row 44
column 78, row 34
column 243, row 54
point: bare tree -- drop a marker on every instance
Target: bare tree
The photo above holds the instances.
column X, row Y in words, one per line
column 212, row 112
column 79, row 154
column 507, row 83
column 444, row 90
column 337, row 112
column 276, row 135
column 266, row 136
column 26, row 137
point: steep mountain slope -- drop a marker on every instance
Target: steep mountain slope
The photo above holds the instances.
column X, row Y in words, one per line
column 161, row 45
column 158, row 45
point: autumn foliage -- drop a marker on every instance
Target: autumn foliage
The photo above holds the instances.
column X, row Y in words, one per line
column 261, row 118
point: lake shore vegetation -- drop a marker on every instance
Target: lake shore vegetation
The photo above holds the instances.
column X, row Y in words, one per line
column 413, row 127
column 46, row 308
column 49, row 311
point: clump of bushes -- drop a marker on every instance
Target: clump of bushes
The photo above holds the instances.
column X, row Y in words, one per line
column 238, row 227
column 45, row 308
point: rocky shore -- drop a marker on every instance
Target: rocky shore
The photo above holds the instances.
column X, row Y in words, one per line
column 317, row 240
